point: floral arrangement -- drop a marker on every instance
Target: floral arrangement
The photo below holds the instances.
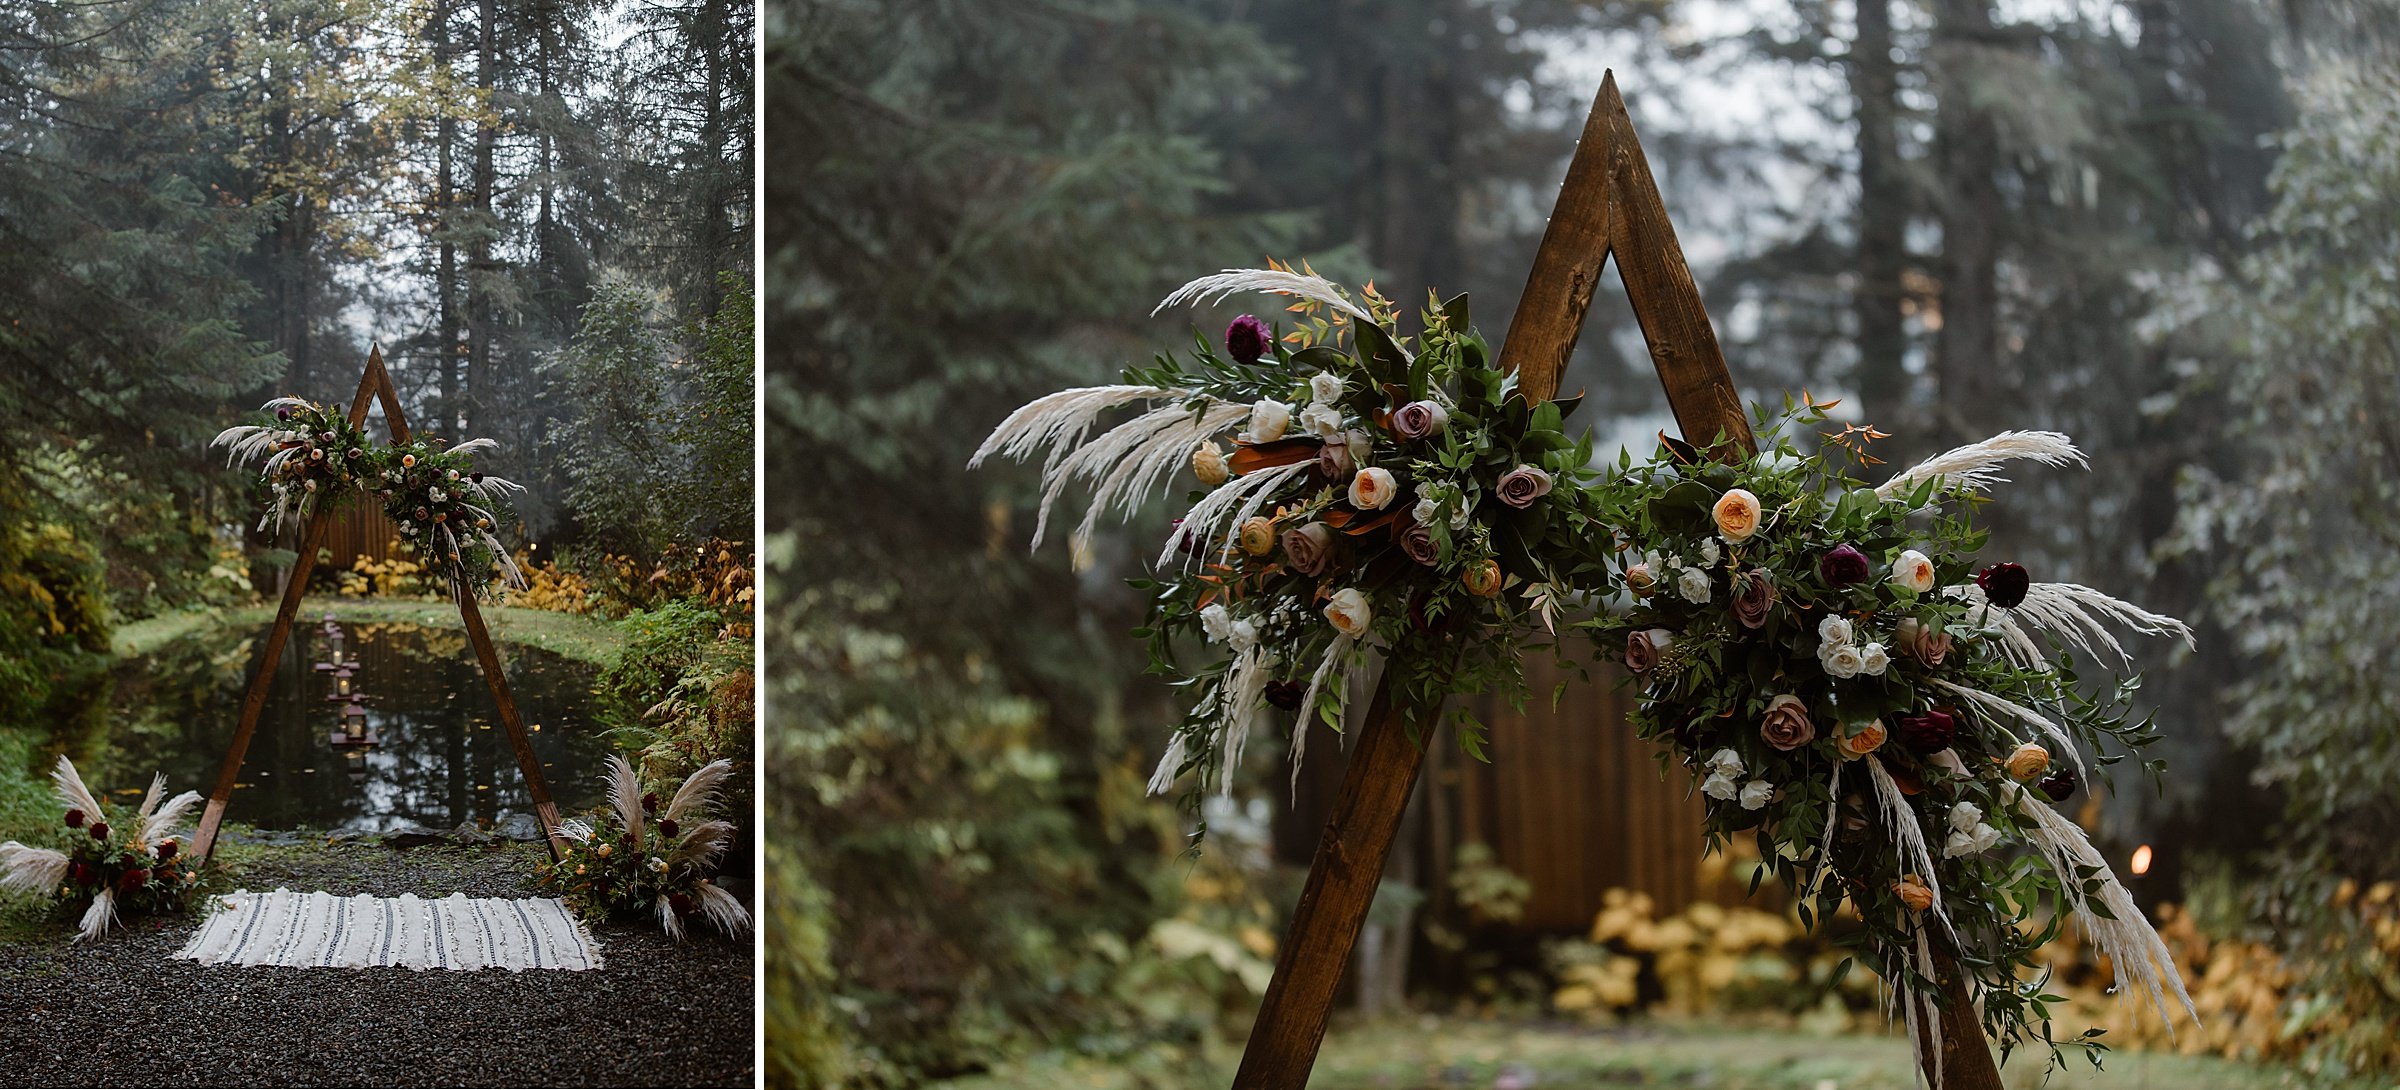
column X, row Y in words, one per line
column 310, row 456
column 130, row 866
column 1890, row 719
column 1385, row 499
column 444, row 508
column 1887, row 716
column 637, row 859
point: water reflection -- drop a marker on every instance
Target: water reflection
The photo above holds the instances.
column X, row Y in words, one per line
column 443, row 756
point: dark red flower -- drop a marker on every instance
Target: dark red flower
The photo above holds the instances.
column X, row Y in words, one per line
column 1843, row 566
column 2059, row 785
column 1247, row 339
column 649, row 801
column 133, row 879
column 100, row 830
column 2004, row 584
column 668, row 828
column 1286, row 694
column 680, row 903
column 1931, row 732
column 74, row 819
column 80, row 873
column 167, row 849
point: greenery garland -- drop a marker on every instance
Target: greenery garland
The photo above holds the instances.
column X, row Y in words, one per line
column 446, row 511
column 1888, row 719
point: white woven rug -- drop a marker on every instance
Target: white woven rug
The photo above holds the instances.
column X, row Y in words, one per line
column 455, row 932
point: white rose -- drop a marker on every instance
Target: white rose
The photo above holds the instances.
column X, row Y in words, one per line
column 1708, row 552
column 1842, row 661
column 1348, row 612
column 1217, row 623
column 1873, row 660
column 1325, row 387
column 1243, row 635
column 1913, row 570
column 1833, row 631
column 1756, row 793
column 1725, row 761
column 1269, row 419
column 1693, row 585
column 1720, row 785
column 1965, row 816
column 1970, row 841
column 1322, row 421
column 1426, row 509
column 1373, row 489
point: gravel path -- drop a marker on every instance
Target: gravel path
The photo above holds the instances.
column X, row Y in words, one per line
column 120, row 1013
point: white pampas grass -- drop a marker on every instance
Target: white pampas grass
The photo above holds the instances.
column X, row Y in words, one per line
column 69, row 785
column 1335, row 652
column 1209, row 289
column 2078, row 612
column 1908, row 837
column 701, row 844
column 577, row 830
column 32, row 870
column 1169, row 763
column 2144, row 966
column 1241, row 703
column 667, row 920
column 2001, row 709
column 722, row 909
column 98, row 918
column 169, row 817
column 625, row 794
column 1126, row 462
column 1975, row 466
column 1216, row 521
column 699, row 790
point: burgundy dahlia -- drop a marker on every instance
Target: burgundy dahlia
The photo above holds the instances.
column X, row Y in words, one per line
column 649, row 801
column 74, row 819
column 680, row 903
column 167, row 849
column 668, row 828
column 100, row 830
column 80, row 873
column 1247, row 339
column 1843, row 566
column 2004, row 584
column 2058, row 785
column 1931, row 732
column 1286, row 694
column 134, row 879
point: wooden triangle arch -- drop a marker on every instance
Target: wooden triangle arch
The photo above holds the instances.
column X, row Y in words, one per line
column 375, row 385
column 1608, row 205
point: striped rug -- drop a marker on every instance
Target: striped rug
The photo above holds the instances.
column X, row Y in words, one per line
column 455, row 932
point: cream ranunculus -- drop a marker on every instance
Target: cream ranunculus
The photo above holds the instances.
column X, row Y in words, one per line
column 1373, row 489
column 1208, row 464
column 1865, row 740
column 1913, row 570
column 1482, row 578
column 1269, row 419
column 1258, row 535
column 1913, row 892
column 2027, row 762
column 1736, row 513
column 1349, row 613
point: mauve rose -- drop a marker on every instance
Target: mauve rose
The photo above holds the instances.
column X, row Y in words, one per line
column 2004, row 585
column 1334, row 462
column 1927, row 733
column 1786, row 725
column 1418, row 419
column 1308, row 548
column 1642, row 648
column 1753, row 597
column 1247, row 339
column 1843, row 566
column 1926, row 645
column 1417, row 542
column 1521, row 486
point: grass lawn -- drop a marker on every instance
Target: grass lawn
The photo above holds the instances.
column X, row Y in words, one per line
column 1439, row 1053
column 583, row 639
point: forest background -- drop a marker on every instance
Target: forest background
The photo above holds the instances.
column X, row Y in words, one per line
column 2164, row 228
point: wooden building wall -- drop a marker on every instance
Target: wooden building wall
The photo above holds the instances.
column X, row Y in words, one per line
column 359, row 529
column 1571, row 801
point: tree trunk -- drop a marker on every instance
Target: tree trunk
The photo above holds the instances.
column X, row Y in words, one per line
column 1970, row 164
column 480, row 266
column 1882, row 253
column 445, row 198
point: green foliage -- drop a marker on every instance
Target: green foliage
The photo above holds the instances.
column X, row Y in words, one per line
column 680, row 695
column 718, row 425
column 2305, row 538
